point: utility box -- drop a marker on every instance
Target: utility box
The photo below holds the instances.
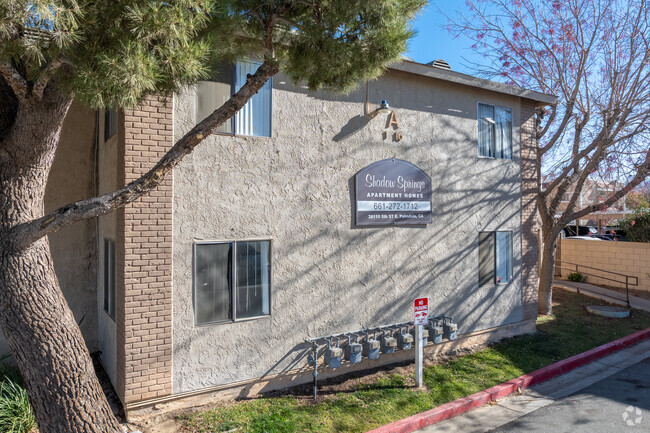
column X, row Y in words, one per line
column 405, row 341
column 353, row 352
column 333, row 357
column 388, row 344
column 436, row 331
column 371, row 347
column 451, row 329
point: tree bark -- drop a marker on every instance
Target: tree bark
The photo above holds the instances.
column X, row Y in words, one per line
column 545, row 289
column 35, row 318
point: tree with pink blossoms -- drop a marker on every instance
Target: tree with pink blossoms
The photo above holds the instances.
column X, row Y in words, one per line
column 594, row 56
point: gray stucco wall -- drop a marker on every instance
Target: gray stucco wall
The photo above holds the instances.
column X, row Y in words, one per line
column 327, row 276
column 73, row 248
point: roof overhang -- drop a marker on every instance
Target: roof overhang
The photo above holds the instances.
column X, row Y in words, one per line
column 540, row 99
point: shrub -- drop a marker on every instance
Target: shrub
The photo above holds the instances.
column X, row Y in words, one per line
column 637, row 225
column 16, row 414
column 576, row 277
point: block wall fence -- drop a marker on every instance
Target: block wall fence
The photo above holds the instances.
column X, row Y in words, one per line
column 629, row 258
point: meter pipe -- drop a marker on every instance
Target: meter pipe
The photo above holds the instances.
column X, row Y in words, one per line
column 364, row 331
column 360, row 331
column 315, row 374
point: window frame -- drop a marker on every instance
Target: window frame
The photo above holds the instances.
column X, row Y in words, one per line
column 109, row 276
column 232, row 289
column 493, row 147
column 494, row 281
column 110, row 119
column 233, row 90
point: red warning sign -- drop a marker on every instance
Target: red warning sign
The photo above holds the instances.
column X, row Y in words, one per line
column 421, row 311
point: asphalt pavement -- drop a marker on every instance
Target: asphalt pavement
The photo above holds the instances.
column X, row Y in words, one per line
column 619, row 403
column 611, row 394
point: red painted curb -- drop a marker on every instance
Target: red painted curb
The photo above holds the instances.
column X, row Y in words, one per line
column 481, row 398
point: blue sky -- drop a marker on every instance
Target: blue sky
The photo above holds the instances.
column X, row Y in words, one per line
column 434, row 42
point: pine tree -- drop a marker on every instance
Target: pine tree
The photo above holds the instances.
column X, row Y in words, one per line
column 114, row 54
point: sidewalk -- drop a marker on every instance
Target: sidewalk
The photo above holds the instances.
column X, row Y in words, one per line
column 488, row 417
column 603, row 294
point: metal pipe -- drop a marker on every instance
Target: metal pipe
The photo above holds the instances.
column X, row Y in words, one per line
column 361, row 331
column 315, row 374
column 329, row 338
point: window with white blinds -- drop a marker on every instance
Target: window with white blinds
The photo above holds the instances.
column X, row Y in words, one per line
column 494, row 131
column 254, row 118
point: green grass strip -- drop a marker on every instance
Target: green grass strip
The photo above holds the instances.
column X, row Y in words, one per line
column 569, row 332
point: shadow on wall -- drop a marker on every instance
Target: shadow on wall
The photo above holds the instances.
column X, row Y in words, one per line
column 440, row 260
column 355, row 125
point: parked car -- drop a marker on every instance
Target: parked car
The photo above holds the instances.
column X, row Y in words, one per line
column 611, row 237
column 586, row 238
column 570, row 230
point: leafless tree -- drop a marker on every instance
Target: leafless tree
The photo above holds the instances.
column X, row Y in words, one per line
column 593, row 55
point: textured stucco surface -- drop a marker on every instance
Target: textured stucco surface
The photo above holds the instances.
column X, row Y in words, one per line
column 327, row 275
column 73, row 248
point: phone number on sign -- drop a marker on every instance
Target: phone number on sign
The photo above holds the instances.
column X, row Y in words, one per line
column 369, row 206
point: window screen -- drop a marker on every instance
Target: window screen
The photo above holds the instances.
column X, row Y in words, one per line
column 212, row 279
column 220, row 283
column 255, row 116
column 253, row 275
column 486, row 126
column 486, row 258
column 503, row 257
column 503, row 133
column 495, row 258
column 109, row 277
column 110, row 123
column 214, row 93
column 494, row 131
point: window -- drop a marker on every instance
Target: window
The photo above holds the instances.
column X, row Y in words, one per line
column 495, row 258
column 110, row 123
column 494, row 131
column 109, row 277
column 566, row 197
column 232, row 281
column 254, row 118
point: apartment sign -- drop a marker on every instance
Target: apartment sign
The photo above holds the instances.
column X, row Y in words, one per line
column 392, row 192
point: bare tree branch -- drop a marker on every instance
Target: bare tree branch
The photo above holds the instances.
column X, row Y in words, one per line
column 642, row 172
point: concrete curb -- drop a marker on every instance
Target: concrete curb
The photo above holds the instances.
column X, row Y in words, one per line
column 481, row 398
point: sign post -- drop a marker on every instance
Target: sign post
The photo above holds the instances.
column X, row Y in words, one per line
column 421, row 316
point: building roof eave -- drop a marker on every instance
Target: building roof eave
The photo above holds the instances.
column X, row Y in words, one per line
column 541, row 99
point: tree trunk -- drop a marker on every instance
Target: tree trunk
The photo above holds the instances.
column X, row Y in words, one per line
column 545, row 289
column 34, row 316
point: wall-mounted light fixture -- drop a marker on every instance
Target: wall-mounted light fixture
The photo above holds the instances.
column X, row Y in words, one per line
column 383, row 108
